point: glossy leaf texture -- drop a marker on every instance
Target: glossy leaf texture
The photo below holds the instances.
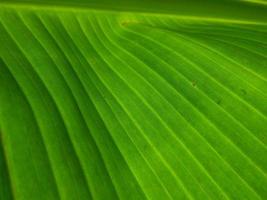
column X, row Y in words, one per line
column 111, row 105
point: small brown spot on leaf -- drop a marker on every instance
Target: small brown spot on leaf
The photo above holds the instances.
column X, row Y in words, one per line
column 129, row 22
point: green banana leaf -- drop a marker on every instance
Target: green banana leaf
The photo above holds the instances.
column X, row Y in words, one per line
column 137, row 99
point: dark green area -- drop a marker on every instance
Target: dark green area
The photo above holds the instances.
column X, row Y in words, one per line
column 5, row 188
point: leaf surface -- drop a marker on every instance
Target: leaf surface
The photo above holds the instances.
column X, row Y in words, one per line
column 101, row 104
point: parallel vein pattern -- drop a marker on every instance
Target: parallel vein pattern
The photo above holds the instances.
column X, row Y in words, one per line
column 106, row 106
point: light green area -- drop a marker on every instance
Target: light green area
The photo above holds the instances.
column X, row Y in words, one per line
column 262, row 2
column 131, row 105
